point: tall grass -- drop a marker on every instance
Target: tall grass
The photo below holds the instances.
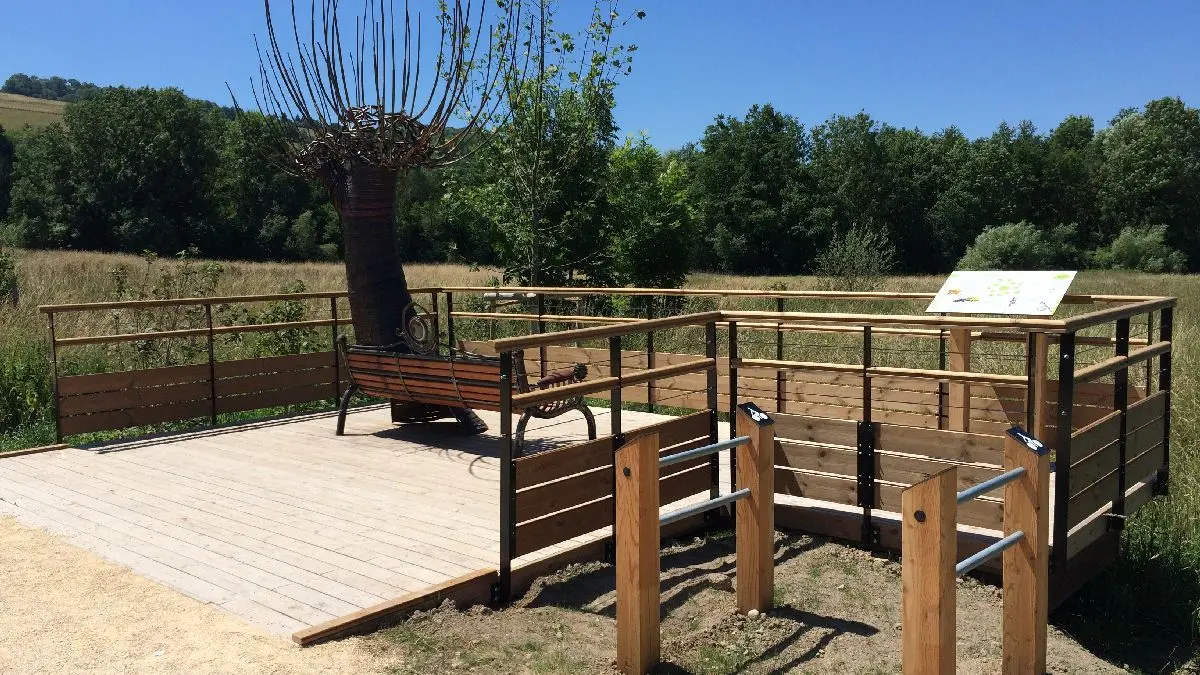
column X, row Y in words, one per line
column 1144, row 611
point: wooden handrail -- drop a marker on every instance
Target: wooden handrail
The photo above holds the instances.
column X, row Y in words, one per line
column 1098, row 370
column 564, row 392
column 640, row 326
column 877, row 371
column 180, row 302
column 544, row 317
column 900, row 320
column 196, row 332
column 1114, row 313
column 667, row 371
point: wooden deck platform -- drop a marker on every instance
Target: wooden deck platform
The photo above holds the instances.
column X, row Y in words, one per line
column 281, row 522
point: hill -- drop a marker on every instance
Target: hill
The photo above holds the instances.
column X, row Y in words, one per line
column 19, row 111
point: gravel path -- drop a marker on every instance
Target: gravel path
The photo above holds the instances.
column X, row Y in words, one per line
column 63, row 610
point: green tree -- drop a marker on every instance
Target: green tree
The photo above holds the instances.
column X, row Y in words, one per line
column 650, row 219
column 7, row 156
column 1150, row 173
column 1020, row 246
column 747, row 180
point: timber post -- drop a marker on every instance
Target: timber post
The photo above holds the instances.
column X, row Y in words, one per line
column 637, row 538
column 929, row 545
column 1026, row 564
column 755, row 514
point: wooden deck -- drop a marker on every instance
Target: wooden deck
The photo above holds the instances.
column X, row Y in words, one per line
column 281, row 522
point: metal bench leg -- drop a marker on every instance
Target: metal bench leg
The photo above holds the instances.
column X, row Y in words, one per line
column 519, row 445
column 341, row 423
column 591, row 421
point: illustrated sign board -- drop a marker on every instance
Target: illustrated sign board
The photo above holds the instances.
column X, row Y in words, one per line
column 1019, row 293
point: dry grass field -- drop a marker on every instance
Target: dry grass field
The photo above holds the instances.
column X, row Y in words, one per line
column 17, row 112
column 1144, row 612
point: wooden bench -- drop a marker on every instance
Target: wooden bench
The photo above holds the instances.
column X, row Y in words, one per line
column 462, row 381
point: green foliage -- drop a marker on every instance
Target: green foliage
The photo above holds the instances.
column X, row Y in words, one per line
column 51, row 88
column 25, row 388
column 856, row 260
column 8, row 278
column 7, row 157
column 650, row 217
column 1020, row 246
column 1140, row 249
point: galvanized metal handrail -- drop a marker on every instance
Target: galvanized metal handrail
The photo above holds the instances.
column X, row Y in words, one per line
column 990, row 484
column 684, row 456
column 988, row 553
column 703, row 506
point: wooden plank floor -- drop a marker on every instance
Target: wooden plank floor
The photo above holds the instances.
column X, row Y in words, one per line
column 281, row 522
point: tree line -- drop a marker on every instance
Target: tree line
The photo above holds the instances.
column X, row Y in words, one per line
column 555, row 196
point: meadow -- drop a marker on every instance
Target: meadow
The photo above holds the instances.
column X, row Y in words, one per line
column 1145, row 611
column 18, row 111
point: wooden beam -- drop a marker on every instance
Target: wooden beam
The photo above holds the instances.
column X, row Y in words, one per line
column 755, row 530
column 927, row 576
column 597, row 332
column 467, row 590
column 959, row 359
column 1109, row 366
column 1027, row 563
column 637, row 537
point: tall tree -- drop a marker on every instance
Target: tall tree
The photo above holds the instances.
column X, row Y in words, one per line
column 371, row 112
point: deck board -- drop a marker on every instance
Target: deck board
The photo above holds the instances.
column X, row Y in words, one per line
column 281, row 522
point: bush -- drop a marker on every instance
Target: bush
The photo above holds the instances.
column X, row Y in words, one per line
column 856, row 260
column 1140, row 249
column 9, row 291
column 1021, row 246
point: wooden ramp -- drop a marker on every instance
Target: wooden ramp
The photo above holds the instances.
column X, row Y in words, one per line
column 283, row 523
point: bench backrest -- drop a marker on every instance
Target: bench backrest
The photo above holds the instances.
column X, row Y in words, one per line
column 427, row 379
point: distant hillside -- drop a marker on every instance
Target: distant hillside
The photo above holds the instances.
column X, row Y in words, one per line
column 18, row 111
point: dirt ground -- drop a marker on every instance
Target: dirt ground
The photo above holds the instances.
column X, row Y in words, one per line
column 64, row 610
column 837, row 611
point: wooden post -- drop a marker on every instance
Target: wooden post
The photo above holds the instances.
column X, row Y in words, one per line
column 929, row 548
column 756, row 515
column 1027, row 563
column 637, row 537
column 959, row 408
column 1041, row 357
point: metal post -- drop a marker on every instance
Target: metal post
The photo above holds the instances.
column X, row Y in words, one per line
column 733, row 396
column 437, row 317
column 541, row 328
column 450, row 323
column 54, row 378
column 508, row 495
column 650, row 360
column 1121, row 403
column 1146, row 391
column 1062, row 462
column 1030, row 382
column 943, row 390
column 867, row 435
column 337, row 363
column 714, row 463
column 212, row 366
column 614, row 414
column 1165, row 332
column 780, row 379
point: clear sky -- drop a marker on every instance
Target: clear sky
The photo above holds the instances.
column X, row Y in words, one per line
column 927, row 64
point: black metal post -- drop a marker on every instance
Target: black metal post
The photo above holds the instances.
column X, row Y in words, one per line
column 541, row 328
column 450, row 323
column 866, row 450
column 1062, row 450
column 1030, row 381
column 614, row 402
column 508, row 495
column 780, row 379
column 437, row 317
column 714, row 462
column 1165, row 331
column 733, row 396
column 1121, row 403
column 337, row 362
column 943, row 388
column 54, row 378
column 212, row 367
column 650, row 359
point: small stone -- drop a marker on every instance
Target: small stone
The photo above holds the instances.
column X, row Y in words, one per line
column 897, row 627
column 841, row 587
column 752, row 614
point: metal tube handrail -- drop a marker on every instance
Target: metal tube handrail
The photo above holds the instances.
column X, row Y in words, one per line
column 668, row 460
column 990, row 484
column 991, row 551
column 703, row 506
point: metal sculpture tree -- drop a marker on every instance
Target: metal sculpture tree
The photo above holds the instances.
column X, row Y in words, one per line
column 356, row 117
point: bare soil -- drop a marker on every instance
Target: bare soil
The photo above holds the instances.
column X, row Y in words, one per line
column 64, row 611
column 837, row 611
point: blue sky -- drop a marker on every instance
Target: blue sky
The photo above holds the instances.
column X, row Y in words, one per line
column 924, row 64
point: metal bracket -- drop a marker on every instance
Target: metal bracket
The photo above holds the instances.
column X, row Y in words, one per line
column 875, row 535
column 1116, row 522
column 610, row 551
column 495, row 598
column 867, row 431
column 1162, row 483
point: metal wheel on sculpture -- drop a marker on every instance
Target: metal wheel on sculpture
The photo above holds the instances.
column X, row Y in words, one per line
column 418, row 334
